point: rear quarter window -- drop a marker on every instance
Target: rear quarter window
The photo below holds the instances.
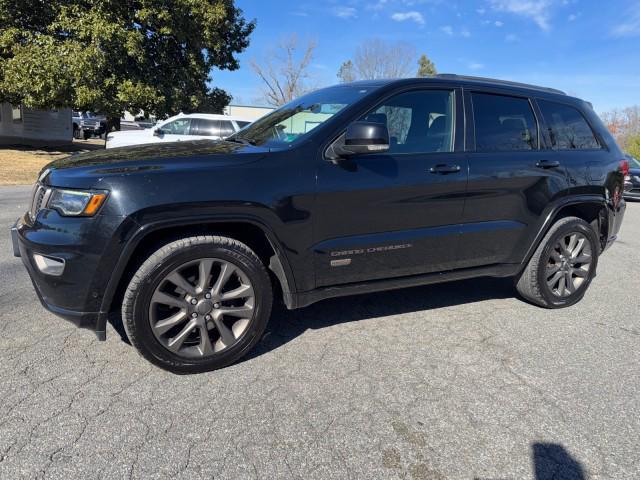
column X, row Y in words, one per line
column 567, row 127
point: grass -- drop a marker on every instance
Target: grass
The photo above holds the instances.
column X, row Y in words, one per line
column 21, row 165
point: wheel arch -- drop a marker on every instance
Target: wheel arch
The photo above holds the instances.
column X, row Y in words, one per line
column 149, row 238
column 591, row 208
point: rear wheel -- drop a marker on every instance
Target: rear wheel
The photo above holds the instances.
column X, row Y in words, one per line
column 198, row 304
column 562, row 266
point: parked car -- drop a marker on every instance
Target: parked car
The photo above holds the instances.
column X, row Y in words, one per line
column 632, row 180
column 182, row 127
column 350, row 189
column 88, row 124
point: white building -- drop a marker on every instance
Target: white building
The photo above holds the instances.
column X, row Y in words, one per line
column 247, row 111
column 20, row 125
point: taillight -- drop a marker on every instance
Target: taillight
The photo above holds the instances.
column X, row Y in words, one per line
column 624, row 167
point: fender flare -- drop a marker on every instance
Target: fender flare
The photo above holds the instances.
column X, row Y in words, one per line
column 278, row 263
column 552, row 214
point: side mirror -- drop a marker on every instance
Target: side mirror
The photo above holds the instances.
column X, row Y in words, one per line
column 158, row 132
column 366, row 137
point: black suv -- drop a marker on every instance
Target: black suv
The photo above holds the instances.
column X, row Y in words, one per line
column 350, row 189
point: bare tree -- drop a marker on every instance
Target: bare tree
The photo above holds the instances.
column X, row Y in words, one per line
column 623, row 124
column 284, row 71
column 376, row 58
column 346, row 72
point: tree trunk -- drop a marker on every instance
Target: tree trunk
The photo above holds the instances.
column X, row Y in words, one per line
column 113, row 123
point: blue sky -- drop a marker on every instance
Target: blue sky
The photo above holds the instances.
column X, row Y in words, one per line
column 589, row 48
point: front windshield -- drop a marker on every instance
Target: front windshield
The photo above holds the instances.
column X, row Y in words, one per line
column 296, row 119
column 633, row 162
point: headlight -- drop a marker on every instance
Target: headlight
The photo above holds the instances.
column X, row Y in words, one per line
column 76, row 203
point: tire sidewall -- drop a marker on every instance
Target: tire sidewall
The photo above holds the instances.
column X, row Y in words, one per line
column 161, row 356
column 577, row 226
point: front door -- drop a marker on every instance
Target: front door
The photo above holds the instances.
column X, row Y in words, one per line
column 395, row 213
column 175, row 131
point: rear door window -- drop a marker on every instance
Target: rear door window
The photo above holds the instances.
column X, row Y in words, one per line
column 568, row 129
column 503, row 123
column 206, row 128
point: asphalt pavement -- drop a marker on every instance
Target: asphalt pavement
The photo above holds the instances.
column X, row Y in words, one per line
column 454, row 381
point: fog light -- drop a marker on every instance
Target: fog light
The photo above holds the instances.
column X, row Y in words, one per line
column 49, row 265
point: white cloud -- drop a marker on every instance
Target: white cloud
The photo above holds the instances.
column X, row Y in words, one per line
column 498, row 23
column 412, row 16
column 631, row 27
column 572, row 17
column 465, row 33
column 447, row 29
column 512, row 38
column 475, row 66
column 480, row 11
column 345, row 12
column 536, row 10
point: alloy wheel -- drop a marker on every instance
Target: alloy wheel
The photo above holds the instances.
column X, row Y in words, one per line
column 569, row 264
column 202, row 307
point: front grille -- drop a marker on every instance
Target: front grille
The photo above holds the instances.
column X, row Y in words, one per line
column 39, row 201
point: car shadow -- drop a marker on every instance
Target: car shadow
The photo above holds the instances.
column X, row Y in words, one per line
column 285, row 325
column 552, row 461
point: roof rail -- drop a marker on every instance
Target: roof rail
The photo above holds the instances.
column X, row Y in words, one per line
column 506, row 83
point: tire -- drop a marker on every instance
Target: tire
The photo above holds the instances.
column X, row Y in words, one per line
column 537, row 283
column 76, row 132
column 246, row 292
column 87, row 135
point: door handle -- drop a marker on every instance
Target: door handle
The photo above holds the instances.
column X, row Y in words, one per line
column 548, row 164
column 444, row 169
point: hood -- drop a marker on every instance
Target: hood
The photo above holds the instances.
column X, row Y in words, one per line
column 216, row 153
column 98, row 168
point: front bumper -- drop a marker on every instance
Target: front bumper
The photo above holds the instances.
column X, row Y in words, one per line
column 74, row 295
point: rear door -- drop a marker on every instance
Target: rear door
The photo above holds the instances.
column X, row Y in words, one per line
column 204, row 128
column 395, row 213
column 512, row 177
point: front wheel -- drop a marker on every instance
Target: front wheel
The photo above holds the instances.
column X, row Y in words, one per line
column 562, row 267
column 198, row 304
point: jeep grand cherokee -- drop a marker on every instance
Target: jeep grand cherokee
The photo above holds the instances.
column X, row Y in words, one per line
column 354, row 188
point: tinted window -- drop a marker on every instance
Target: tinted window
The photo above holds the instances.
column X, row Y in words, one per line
column 208, row 128
column 567, row 127
column 226, row 128
column 242, row 124
column 503, row 123
column 177, row 127
column 418, row 122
